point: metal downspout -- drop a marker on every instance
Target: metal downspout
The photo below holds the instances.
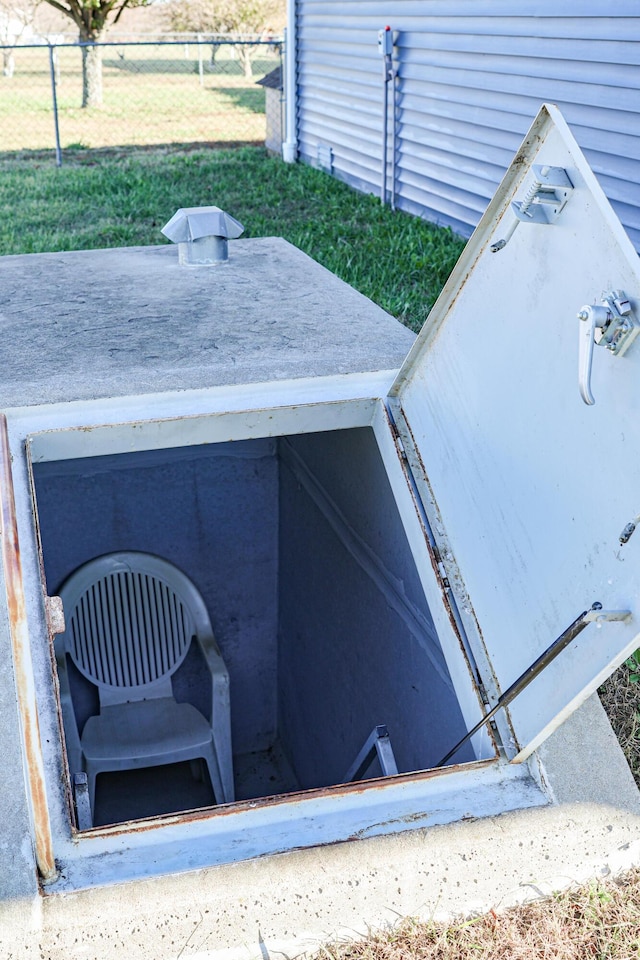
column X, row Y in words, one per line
column 290, row 145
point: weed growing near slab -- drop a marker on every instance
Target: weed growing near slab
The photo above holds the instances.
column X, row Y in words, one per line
column 620, row 696
column 117, row 198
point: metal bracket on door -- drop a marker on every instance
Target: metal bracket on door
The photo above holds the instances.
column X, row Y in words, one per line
column 609, row 324
column 543, row 202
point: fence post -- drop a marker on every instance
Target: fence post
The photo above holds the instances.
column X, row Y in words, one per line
column 54, row 100
column 200, row 63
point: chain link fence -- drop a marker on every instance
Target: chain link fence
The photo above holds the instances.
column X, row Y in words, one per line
column 208, row 90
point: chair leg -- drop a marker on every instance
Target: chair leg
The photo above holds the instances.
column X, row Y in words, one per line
column 214, row 775
column 83, row 805
column 221, row 732
column 92, row 775
column 196, row 770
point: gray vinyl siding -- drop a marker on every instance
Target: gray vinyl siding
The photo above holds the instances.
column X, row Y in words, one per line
column 471, row 77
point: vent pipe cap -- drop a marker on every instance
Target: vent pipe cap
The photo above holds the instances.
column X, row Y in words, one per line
column 202, row 234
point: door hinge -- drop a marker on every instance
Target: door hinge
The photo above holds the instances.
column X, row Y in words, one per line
column 397, row 439
column 442, row 573
column 400, row 448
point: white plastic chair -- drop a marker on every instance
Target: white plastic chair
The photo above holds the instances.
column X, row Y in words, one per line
column 130, row 620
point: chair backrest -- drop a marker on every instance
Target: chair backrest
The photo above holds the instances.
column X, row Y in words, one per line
column 130, row 619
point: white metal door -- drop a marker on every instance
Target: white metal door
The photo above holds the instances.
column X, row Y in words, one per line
column 529, row 489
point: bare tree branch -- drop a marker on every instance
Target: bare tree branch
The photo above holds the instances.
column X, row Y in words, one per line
column 223, row 16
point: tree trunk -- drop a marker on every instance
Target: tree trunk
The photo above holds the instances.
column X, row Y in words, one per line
column 8, row 62
column 244, row 56
column 92, row 76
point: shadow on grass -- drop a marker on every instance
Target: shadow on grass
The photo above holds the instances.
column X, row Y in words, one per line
column 186, row 66
column 189, row 66
column 75, row 153
column 251, row 100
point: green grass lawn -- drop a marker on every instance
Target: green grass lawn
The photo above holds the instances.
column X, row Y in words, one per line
column 123, row 198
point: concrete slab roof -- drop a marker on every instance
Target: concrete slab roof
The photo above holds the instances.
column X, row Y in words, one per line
column 102, row 323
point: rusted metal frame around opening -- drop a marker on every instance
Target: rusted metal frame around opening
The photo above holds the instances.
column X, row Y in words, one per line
column 239, row 807
column 212, row 813
column 25, row 687
column 55, row 625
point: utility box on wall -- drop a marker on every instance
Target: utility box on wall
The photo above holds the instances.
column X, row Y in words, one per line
column 374, row 546
column 274, row 109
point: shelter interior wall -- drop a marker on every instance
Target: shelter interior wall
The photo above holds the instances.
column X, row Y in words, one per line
column 297, row 547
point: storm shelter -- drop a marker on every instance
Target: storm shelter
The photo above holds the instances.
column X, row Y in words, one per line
column 380, row 552
column 297, row 547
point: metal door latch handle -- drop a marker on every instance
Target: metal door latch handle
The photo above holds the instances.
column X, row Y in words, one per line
column 609, row 324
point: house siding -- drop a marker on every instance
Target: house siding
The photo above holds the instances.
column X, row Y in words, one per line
column 471, row 78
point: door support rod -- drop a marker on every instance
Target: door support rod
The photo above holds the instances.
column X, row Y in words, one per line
column 596, row 613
